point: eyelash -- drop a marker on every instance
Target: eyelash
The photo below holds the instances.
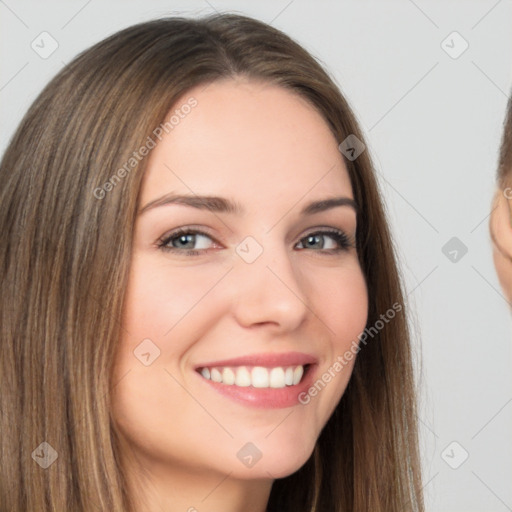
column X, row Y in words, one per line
column 338, row 236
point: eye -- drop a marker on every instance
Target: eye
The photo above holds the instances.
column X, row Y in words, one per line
column 188, row 241
column 330, row 241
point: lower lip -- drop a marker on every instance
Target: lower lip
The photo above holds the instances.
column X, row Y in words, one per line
column 265, row 398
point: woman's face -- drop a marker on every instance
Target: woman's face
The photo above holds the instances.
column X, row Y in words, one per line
column 251, row 295
column 501, row 230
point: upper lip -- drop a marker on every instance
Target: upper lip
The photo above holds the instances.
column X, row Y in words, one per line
column 268, row 360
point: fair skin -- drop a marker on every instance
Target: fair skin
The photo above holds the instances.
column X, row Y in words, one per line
column 272, row 153
column 501, row 228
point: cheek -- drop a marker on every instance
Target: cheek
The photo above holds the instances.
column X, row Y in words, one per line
column 161, row 297
column 346, row 306
column 504, row 270
column 341, row 301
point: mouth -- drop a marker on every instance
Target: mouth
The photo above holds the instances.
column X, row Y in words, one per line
column 255, row 376
column 263, row 380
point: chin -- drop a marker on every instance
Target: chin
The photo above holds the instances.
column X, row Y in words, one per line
column 278, row 459
column 282, row 469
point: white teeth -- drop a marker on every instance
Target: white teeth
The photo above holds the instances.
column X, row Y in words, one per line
column 257, row 376
column 228, row 376
column 297, row 374
column 243, row 377
column 216, row 376
column 277, row 378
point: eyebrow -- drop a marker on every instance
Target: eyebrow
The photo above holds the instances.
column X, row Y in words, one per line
column 222, row 205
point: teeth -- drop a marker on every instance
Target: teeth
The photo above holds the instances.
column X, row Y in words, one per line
column 257, row 376
column 215, row 375
column 297, row 374
column 243, row 377
column 228, row 376
column 277, row 377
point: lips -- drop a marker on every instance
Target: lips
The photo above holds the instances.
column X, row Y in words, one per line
column 262, row 380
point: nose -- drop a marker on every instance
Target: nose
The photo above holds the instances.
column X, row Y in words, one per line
column 269, row 291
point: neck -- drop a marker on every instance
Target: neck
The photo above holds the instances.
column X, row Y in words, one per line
column 189, row 490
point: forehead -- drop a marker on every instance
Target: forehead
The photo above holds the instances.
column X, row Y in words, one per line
column 250, row 139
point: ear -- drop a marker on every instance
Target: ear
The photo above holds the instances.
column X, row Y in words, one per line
column 500, row 226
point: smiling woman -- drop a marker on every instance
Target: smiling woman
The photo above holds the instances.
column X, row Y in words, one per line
column 158, row 341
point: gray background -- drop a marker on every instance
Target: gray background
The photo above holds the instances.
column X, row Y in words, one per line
column 433, row 125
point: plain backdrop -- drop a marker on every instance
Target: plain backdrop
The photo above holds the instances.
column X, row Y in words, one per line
column 432, row 111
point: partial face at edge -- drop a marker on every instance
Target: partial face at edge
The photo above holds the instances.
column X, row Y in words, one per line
column 293, row 290
column 501, row 230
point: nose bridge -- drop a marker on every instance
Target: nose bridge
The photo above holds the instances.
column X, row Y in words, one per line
column 269, row 288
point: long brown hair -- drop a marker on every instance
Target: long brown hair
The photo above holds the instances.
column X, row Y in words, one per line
column 65, row 261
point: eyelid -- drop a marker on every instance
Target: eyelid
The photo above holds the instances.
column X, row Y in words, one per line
column 331, row 228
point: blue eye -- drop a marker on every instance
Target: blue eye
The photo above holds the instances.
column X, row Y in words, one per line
column 320, row 237
column 192, row 242
column 189, row 242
